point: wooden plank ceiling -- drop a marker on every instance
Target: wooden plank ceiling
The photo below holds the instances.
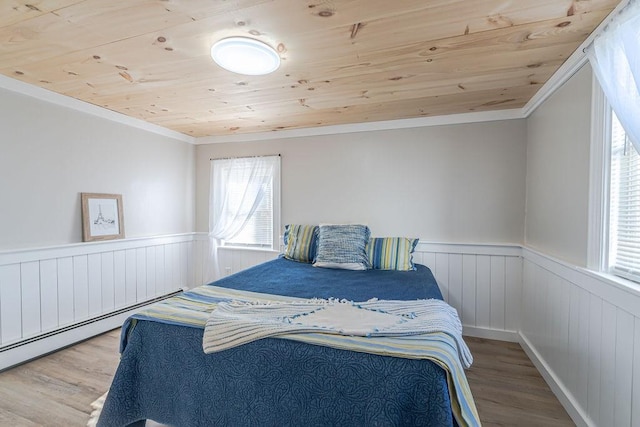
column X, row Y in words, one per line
column 343, row 61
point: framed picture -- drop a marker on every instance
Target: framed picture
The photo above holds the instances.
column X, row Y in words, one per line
column 101, row 216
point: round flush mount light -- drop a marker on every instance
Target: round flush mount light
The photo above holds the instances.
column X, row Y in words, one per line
column 247, row 56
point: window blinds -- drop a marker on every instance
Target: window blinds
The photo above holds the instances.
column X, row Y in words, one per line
column 258, row 228
column 624, row 217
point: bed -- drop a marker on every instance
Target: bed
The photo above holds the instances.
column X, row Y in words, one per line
column 164, row 375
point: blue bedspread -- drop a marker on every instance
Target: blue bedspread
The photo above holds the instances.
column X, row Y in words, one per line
column 296, row 279
column 164, row 375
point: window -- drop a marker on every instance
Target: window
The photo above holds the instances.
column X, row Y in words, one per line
column 258, row 228
column 245, row 201
column 614, row 206
column 624, row 205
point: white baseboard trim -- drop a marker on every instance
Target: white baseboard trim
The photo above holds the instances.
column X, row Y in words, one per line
column 37, row 348
column 491, row 334
column 576, row 413
column 42, row 347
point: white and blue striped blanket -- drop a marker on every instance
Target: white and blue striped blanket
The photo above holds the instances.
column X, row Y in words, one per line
column 236, row 322
column 445, row 347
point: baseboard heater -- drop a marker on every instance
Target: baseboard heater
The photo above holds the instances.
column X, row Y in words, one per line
column 86, row 322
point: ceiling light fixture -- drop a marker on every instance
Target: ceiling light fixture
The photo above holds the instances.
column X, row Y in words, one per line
column 247, row 56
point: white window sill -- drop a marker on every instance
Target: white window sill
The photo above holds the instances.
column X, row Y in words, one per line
column 616, row 281
column 246, row 249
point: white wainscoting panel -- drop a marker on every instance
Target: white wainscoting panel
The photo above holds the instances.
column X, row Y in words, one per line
column 50, row 289
column 582, row 330
column 233, row 260
column 483, row 282
column 202, row 255
column 45, row 290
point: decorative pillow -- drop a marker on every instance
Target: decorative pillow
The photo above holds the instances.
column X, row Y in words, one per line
column 343, row 246
column 391, row 253
column 300, row 242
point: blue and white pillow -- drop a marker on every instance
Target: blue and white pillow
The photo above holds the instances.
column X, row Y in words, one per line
column 343, row 246
column 300, row 242
column 391, row 253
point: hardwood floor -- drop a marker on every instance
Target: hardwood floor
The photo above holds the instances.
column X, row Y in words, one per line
column 57, row 390
column 508, row 389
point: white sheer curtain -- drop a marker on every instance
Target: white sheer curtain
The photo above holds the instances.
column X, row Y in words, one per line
column 615, row 59
column 237, row 188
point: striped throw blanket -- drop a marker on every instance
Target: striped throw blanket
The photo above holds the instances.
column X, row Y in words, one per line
column 237, row 322
column 446, row 349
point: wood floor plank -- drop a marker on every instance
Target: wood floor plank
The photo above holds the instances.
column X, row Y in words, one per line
column 25, row 401
column 508, row 389
column 9, row 419
column 58, row 389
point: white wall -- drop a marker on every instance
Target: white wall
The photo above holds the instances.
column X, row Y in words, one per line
column 558, row 138
column 463, row 185
column 458, row 183
column 581, row 328
column 49, row 154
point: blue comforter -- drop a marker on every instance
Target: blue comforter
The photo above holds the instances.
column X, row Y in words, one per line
column 296, row 279
column 164, row 374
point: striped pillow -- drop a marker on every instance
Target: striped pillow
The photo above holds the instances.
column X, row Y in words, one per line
column 300, row 242
column 391, row 253
column 343, row 246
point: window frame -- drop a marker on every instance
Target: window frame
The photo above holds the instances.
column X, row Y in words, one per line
column 600, row 155
column 599, row 183
column 276, row 209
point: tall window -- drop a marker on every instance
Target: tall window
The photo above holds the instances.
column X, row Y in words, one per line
column 614, row 214
column 624, row 205
column 258, row 227
column 245, row 201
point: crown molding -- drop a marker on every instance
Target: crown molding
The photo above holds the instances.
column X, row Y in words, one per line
column 452, row 119
column 46, row 95
column 577, row 59
column 560, row 77
column 75, row 104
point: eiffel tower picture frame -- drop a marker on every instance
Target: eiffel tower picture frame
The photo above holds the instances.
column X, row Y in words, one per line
column 102, row 217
